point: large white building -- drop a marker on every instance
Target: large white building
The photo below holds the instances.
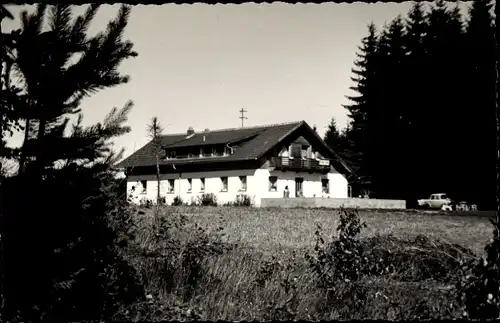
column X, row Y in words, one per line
column 258, row 162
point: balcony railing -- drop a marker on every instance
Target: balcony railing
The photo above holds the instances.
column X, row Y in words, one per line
column 299, row 164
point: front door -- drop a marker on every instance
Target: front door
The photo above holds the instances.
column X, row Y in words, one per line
column 298, row 186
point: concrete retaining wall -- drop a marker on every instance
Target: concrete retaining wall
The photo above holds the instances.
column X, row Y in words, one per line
column 333, row 203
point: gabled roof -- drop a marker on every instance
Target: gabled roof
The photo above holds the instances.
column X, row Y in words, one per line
column 247, row 143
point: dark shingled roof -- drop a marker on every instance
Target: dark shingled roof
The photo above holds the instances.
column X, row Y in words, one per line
column 258, row 141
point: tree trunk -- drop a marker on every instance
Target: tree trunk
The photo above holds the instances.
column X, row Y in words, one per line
column 158, row 179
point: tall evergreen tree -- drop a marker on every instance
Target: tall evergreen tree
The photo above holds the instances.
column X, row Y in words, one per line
column 365, row 76
column 332, row 136
column 415, row 103
column 53, row 86
column 443, row 117
column 387, row 118
column 72, row 219
column 480, row 120
column 425, row 102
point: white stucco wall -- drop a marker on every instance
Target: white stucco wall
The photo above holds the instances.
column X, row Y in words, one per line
column 213, row 184
column 338, row 186
column 311, row 186
column 257, row 185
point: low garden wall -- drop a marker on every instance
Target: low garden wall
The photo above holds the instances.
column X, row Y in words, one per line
column 333, row 203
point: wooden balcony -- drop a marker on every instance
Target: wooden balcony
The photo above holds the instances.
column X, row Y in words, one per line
column 300, row 165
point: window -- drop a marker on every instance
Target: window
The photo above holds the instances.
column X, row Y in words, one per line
column 171, row 183
column 144, row 187
column 205, row 152
column 172, row 154
column 243, row 182
column 325, row 185
column 224, row 184
column 202, row 184
column 273, row 183
column 219, row 151
column 190, row 185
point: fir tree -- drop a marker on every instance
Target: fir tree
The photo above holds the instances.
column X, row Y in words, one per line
column 155, row 129
column 416, row 26
column 72, row 219
column 54, row 88
column 479, row 104
column 332, row 136
column 386, row 120
column 365, row 77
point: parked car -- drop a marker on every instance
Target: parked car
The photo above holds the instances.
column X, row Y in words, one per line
column 436, row 201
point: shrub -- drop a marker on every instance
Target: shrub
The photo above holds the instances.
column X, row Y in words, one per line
column 64, row 259
column 341, row 259
column 162, row 200
column 207, row 199
column 242, row 200
column 145, row 202
column 479, row 284
column 347, row 268
column 177, row 201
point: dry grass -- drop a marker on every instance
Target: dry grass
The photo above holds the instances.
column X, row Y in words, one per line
column 271, row 230
column 245, row 283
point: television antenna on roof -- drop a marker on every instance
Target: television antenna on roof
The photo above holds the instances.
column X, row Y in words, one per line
column 242, row 111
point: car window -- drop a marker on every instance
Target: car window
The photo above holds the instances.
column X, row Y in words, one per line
column 433, row 197
column 444, row 197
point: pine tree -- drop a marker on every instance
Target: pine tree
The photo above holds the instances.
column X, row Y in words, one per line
column 55, row 89
column 443, row 93
column 387, row 119
column 9, row 121
column 155, row 129
column 332, row 136
column 366, row 72
column 415, row 103
column 71, row 220
column 480, row 75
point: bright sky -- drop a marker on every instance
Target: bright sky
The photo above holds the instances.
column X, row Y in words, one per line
column 199, row 64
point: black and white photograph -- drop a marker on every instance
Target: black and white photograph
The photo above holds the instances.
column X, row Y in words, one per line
column 249, row 161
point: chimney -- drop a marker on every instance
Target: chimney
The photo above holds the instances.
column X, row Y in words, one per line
column 190, row 131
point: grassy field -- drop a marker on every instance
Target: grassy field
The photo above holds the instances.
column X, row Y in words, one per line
column 264, row 275
column 270, row 230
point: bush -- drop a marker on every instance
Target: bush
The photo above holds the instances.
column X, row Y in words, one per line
column 347, row 268
column 177, row 201
column 207, row 199
column 479, row 284
column 145, row 202
column 64, row 250
column 341, row 259
column 162, row 200
column 242, row 200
